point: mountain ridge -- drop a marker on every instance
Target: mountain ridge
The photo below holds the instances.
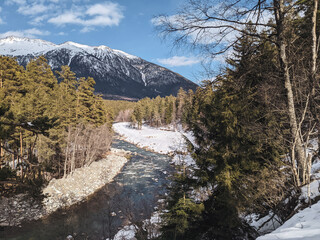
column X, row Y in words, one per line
column 115, row 72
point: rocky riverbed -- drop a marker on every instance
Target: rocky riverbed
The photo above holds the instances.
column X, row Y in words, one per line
column 62, row 193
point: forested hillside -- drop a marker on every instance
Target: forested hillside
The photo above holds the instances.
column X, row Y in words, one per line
column 48, row 129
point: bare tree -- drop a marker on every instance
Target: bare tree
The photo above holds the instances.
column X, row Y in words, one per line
column 213, row 27
column 124, row 115
column 85, row 144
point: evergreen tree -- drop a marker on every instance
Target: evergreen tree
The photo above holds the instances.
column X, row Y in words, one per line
column 66, row 103
column 137, row 115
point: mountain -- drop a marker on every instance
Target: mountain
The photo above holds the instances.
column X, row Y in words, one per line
column 117, row 74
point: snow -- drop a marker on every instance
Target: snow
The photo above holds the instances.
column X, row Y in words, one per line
column 315, row 166
column 186, row 160
column 16, row 46
column 151, row 226
column 314, row 190
column 121, row 53
column 157, row 140
column 78, row 45
column 127, row 233
column 264, row 224
column 144, row 78
column 304, row 225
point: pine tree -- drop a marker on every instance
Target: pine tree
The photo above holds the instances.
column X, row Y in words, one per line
column 138, row 115
column 232, row 125
column 180, row 103
column 66, row 103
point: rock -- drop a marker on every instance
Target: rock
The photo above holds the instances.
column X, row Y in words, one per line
column 84, row 181
column 62, row 193
column 113, row 214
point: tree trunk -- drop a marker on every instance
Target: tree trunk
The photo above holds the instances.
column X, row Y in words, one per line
column 66, row 153
column 77, row 107
column 21, row 152
column 13, row 163
column 314, row 44
column 1, row 79
column 297, row 144
column 312, row 76
column 1, row 153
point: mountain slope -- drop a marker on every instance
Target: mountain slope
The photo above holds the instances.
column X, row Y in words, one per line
column 115, row 72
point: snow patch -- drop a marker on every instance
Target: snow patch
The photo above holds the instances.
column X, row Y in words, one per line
column 128, row 233
column 121, row 53
column 157, row 140
column 303, row 225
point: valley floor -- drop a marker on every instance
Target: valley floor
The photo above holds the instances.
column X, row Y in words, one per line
column 305, row 225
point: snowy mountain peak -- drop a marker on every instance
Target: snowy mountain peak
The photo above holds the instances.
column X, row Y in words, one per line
column 115, row 72
column 121, row 53
column 17, row 46
column 78, row 45
column 14, row 39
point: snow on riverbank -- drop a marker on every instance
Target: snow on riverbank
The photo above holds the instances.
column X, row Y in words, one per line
column 150, row 226
column 163, row 141
column 304, row 225
column 154, row 139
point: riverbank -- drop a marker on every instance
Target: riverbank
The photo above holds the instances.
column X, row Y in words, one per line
column 62, row 193
column 160, row 140
column 167, row 141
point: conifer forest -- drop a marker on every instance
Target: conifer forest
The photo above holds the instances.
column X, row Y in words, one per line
column 255, row 121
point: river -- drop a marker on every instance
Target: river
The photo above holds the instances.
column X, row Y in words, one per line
column 131, row 197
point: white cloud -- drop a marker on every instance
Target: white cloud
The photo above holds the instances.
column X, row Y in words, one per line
column 67, row 17
column 97, row 15
column 1, row 21
column 30, row 33
column 19, row 2
column 72, row 12
column 178, row 61
column 34, row 9
column 38, row 20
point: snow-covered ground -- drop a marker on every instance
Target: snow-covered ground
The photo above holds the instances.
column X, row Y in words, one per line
column 154, row 139
column 304, row 225
column 151, row 226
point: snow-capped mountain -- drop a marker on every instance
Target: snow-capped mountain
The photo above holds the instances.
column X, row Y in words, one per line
column 115, row 72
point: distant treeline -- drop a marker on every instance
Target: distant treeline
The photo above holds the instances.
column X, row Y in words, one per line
column 160, row 111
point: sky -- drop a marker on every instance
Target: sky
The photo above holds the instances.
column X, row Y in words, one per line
column 119, row 24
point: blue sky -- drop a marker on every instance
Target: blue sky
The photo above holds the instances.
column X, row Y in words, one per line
column 120, row 24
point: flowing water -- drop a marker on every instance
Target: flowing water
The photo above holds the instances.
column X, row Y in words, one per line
column 131, row 197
